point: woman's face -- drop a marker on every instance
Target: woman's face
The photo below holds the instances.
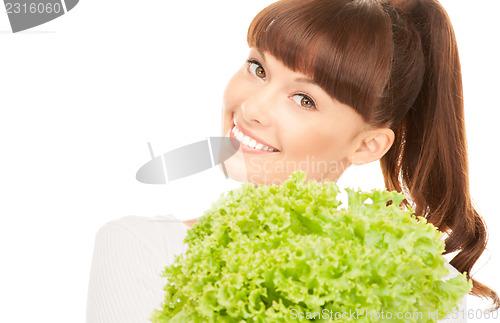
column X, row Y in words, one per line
column 287, row 111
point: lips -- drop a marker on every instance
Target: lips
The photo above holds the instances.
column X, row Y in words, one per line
column 253, row 136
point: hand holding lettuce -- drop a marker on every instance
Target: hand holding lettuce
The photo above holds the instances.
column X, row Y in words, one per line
column 260, row 252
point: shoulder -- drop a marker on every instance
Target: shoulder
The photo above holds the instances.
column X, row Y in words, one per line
column 161, row 235
column 145, row 226
column 129, row 255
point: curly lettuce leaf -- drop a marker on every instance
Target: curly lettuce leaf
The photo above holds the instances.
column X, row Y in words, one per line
column 260, row 252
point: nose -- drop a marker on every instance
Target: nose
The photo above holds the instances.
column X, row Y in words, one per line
column 260, row 105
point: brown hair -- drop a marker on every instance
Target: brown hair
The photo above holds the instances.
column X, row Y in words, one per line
column 396, row 63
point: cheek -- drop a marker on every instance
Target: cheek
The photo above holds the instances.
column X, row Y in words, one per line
column 234, row 93
column 319, row 143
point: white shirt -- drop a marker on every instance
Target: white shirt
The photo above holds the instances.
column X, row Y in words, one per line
column 129, row 255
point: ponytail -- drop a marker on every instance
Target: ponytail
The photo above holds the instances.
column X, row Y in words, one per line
column 428, row 160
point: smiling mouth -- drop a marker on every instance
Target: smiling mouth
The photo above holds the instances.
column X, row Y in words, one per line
column 249, row 141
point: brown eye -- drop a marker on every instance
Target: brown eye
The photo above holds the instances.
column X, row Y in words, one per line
column 304, row 101
column 260, row 72
column 257, row 69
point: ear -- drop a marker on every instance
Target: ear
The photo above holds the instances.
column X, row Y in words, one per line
column 372, row 146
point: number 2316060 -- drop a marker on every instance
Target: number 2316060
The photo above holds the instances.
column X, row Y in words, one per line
column 34, row 8
column 470, row 314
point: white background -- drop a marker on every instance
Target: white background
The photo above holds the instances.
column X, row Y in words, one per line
column 82, row 95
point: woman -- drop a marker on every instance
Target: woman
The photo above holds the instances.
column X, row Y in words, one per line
column 327, row 84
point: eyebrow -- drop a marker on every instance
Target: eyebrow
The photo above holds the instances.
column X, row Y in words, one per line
column 305, row 80
column 261, row 55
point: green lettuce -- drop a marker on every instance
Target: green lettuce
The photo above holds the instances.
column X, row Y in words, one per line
column 269, row 252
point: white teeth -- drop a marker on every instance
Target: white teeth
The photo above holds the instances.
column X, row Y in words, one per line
column 252, row 143
column 245, row 140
